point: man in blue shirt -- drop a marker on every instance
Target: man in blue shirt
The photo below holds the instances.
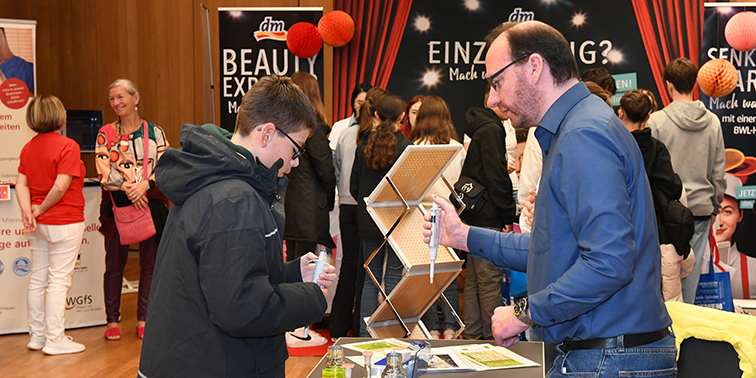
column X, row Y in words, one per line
column 593, row 259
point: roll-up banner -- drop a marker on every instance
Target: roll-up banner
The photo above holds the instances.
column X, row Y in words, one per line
column 17, row 85
column 253, row 45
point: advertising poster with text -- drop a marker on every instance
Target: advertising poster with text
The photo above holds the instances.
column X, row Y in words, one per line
column 85, row 302
column 253, row 45
column 737, row 114
column 17, row 85
column 438, row 48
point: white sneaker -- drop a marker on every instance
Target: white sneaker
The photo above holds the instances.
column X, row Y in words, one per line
column 435, row 334
column 36, row 342
column 295, row 339
column 64, row 345
column 449, row 334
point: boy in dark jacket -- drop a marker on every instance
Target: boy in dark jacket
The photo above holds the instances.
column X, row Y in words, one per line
column 666, row 186
column 222, row 296
column 486, row 163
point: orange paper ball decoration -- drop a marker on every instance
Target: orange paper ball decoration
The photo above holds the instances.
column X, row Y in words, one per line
column 717, row 78
column 336, row 28
column 740, row 31
column 303, row 39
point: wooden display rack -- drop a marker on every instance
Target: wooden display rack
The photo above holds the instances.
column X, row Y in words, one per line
column 396, row 207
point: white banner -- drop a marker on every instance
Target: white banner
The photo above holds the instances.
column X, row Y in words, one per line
column 17, row 84
column 85, row 303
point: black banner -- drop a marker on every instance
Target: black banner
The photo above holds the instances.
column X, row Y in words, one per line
column 253, row 45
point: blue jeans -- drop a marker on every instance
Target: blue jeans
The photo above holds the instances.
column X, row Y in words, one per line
column 394, row 268
column 656, row 359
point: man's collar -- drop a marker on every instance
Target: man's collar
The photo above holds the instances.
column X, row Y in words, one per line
column 559, row 109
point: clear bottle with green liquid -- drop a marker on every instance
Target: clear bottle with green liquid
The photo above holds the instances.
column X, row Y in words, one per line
column 334, row 363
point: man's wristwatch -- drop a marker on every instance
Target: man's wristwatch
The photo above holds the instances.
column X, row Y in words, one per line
column 521, row 311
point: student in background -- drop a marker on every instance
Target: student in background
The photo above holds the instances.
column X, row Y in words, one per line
column 433, row 125
column 487, row 163
column 374, row 157
column 358, row 98
column 345, row 310
column 682, row 124
column 410, row 114
column 311, row 192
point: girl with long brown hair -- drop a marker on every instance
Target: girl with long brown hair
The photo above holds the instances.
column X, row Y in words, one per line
column 375, row 154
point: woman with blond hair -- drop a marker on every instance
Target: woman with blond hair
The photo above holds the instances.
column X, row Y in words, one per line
column 119, row 152
column 49, row 191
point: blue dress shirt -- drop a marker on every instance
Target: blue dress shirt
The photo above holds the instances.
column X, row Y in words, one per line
column 593, row 259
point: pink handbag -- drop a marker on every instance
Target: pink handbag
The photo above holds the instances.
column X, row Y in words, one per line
column 135, row 225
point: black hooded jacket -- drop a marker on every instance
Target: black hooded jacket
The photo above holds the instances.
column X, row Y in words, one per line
column 222, row 297
column 486, row 162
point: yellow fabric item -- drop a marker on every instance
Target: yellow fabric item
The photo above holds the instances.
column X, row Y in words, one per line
column 715, row 325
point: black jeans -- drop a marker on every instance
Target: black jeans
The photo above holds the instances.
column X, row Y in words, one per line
column 351, row 277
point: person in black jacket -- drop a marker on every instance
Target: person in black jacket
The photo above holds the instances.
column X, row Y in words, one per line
column 635, row 109
column 312, row 184
column 375, row 154
column 222, row 297
column 486, row 163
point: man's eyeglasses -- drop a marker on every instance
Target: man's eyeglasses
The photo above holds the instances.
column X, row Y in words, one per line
column 499, row 72
column 299, row 151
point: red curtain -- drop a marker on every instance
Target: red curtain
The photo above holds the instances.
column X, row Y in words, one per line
column 670, row 29
column 369, row 57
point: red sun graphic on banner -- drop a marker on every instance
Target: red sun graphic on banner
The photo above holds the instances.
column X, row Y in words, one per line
column 14, row 93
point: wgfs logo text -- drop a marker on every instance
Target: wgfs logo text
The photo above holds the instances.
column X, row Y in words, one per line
column 73, row 302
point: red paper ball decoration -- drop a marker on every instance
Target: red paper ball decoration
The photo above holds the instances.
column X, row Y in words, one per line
column 336, row 28
column 303, row 39
column 740, row 31
column 717, row 78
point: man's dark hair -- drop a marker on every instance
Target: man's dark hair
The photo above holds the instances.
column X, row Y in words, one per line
column 602, row 77
column 682, row 73
column 275, row 99
column 359, row 88
column 636, row 105
column 538, row 38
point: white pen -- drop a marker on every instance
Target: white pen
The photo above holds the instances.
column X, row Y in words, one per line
column 433, row 244
column 320, row 265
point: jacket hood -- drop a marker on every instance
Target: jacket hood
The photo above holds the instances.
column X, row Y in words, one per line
column 206, row 156
column 477, row 117
column 688, row 115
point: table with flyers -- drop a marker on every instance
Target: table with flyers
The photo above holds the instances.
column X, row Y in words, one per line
column 533, row 351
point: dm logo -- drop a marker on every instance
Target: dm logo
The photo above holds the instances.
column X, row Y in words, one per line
column 519, row 16
column 271, row 29
column 2, row 268
column 22, row 266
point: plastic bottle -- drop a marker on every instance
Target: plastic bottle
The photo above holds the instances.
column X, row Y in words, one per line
column 334, row 363
column 394, row 367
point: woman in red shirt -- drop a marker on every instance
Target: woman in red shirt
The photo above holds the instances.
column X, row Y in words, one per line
column 49, row 191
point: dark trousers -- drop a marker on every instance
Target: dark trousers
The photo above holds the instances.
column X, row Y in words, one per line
column 116, row 256
column 351, row 277
column 297, row 249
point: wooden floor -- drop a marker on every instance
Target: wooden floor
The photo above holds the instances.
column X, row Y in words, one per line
column 113, row 359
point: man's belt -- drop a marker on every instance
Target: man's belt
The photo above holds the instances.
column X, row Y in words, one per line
column 629, row 341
